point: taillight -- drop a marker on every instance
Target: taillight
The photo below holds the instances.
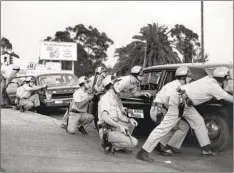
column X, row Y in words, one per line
column 48, row 95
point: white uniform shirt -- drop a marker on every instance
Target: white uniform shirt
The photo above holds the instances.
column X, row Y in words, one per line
column 80, row 96
column 24, row 91
column 164, row 94
column 203, row 90
column 109, row 103
column 127, row 84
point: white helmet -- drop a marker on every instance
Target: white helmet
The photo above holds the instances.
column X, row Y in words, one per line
column 82, row 80
column 183, row 71
column 100, row 69
column 221, row 72
column 16, row 67
column 136, row 69
column 110, row 79
column 28, row 79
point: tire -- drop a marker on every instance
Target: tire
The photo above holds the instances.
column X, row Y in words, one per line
column 219, row 132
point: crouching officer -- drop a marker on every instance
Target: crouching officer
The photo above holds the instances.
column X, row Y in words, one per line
column 78, row 118
column 27, row 99
column 115, row 129
column 131, row 83
column 194, row 93
column 171, row 142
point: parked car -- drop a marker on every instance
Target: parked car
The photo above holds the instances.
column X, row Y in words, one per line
column 59, row 92
column 218, row 115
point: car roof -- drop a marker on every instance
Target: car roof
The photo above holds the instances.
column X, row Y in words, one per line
column 190, row 65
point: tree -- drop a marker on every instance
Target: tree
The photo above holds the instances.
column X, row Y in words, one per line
column 7, row 50
column 91, row 46
column 159, row 49
column 186, row 42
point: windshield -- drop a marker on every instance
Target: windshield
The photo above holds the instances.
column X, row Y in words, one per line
column 151, row 80
column 58, row 79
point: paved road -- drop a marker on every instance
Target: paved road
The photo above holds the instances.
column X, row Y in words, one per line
column 33, row 142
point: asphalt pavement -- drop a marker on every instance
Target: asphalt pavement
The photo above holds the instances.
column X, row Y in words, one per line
column 34, row 142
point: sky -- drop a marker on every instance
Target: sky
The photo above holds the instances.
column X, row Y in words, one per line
column 26, row 23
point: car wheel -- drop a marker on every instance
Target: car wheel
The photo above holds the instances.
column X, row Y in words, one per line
column 218, row 132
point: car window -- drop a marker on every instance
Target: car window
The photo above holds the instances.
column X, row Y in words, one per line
column 151, row 80
column 170, row 76
column 57, row 79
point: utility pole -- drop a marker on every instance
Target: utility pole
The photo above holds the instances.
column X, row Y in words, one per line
column 144, row 64
column 202, row 33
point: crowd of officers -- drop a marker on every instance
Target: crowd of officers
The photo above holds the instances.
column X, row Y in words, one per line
column 173, row 104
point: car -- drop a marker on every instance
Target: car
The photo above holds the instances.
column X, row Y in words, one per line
column 59, row 91
column 218, row 115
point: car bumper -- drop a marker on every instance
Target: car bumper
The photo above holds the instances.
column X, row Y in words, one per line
column 57, row 102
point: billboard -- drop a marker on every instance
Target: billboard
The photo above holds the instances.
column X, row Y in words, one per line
column 58, row 51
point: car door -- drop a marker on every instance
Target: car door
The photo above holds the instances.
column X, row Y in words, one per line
column 12, row 87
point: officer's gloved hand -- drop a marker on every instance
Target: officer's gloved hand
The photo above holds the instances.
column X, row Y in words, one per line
column 147, row 94
column 133, row 122
column 90, row 96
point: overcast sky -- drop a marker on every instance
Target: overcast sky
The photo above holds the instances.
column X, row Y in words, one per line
column 26, row 23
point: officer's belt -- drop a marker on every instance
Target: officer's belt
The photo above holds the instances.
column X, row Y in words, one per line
column 107, row 126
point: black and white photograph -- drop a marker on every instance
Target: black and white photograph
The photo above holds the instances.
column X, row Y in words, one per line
column 116, row 86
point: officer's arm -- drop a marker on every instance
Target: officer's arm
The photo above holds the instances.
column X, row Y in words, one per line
column 219, row 94
column 108, row 120
column 83, row 103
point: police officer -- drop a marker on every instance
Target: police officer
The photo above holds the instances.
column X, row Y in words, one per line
column 115, row 129
column 78, row 118
column 15, row 71
column 27, row 100
column 100, row 74
column 131, row 83
column 194, row 93
column 171, row 141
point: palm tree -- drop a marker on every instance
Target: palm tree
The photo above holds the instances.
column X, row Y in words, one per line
column 154, row 40
column 159, row 47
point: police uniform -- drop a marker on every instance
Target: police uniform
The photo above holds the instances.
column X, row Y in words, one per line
column 127, row 84
column 198, row 92
column 79, row 117
column 110, row 103
column 98, row 86
column 27, row 100
column 173, row 139
column 3, row 85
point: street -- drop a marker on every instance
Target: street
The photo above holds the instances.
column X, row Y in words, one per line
column 34, row 142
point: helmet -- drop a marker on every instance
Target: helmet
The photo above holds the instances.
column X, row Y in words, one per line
column 183, row 71
column 100, row 69
column 16, row 67
column 136, row 69
column 28, row 79
column 110, row 79
column 82, row 79
column 221, row 72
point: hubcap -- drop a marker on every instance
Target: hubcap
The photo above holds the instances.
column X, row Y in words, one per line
column 213, row 129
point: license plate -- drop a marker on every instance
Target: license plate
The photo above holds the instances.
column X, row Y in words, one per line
column 58, row 101
column 137, row 113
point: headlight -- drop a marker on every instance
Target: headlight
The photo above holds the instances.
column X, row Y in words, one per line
column 48, row 95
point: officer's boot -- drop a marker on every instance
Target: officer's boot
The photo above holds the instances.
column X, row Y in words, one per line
column 207, row 152
column 144, row 155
